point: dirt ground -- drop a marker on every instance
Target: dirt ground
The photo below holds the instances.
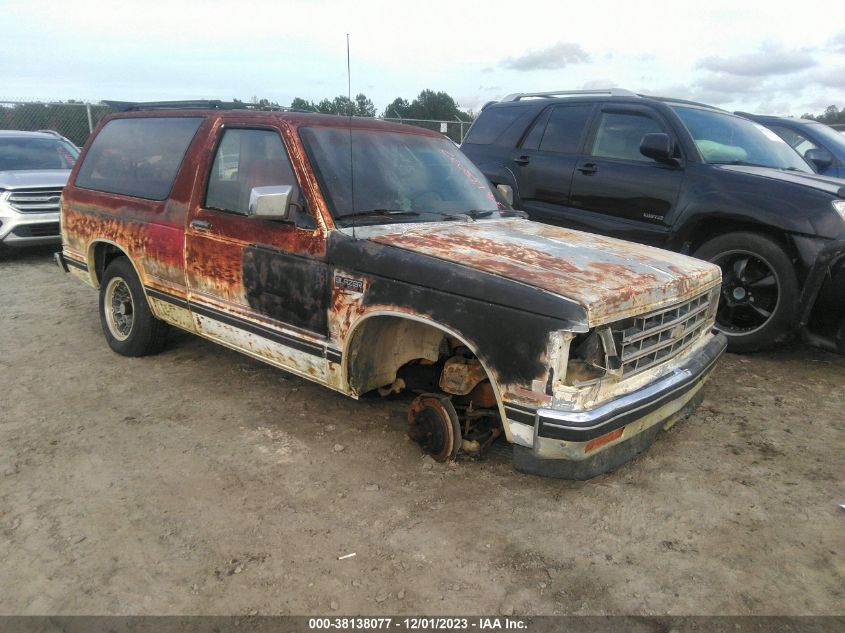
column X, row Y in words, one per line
column 199, row 481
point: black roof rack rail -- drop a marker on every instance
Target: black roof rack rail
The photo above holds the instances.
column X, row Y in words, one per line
column 198, row 104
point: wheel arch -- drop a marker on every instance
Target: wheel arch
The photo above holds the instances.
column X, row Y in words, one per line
column 388, row 323
column 699, row 230
column 101, row 252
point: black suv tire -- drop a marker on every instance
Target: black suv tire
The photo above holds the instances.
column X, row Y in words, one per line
column 752, row 263
column 128, row 324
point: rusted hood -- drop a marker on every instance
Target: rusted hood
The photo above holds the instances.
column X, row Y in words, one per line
column 610, row 278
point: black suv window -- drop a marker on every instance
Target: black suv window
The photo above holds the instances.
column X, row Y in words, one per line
column 796, row 140
column 619, row 135
column 137, row 157
column 565, row 128
column 489, row 127
column 245, row 159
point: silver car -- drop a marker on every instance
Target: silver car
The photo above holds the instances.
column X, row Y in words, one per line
column 34, row 167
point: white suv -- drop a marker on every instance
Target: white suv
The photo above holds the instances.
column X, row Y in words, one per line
column 34, row 167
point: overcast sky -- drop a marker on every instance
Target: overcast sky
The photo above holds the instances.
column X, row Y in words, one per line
column 764, row 57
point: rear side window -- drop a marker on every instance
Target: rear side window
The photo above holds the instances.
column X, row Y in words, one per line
column 137, row 157
column 565, row 129
column 491, row 124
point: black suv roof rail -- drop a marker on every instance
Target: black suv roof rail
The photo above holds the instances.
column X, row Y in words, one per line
column 201, row 104
column 616, row 92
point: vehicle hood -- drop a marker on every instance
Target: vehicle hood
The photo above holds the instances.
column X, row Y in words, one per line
column 828, row 184
column 609, row 278
column 26, row 179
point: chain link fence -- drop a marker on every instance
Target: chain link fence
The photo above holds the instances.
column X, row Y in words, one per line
column 76, row 120
column 455, row 130
column 72, row 120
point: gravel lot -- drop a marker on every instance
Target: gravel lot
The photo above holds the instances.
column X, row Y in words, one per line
column 201, row 482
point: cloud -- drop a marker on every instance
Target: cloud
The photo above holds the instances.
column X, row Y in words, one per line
column 726, row 85
column 830, row 77
column 769, row 61
column 714, row 89
column 837, row 43
column 599, row 84
column 769, row 106
column 552, row 57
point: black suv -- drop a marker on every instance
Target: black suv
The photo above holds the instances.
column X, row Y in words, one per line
column 687, row 177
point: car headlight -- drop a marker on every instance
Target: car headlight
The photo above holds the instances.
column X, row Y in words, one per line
column 839, row 207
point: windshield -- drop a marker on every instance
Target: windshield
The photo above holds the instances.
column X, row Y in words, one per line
column 727, row 139
column 406, row 174
column 34, row 152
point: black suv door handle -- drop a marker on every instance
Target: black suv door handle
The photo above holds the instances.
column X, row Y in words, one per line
column 200, row 225
column 522, row 160
column 589, row 168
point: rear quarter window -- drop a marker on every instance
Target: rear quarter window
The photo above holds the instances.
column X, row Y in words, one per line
column 491, row 124
column 137, row 157
column 565, row 129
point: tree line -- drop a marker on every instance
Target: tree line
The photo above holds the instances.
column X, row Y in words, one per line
column 831, row 114
column 428, row 105
column 70, row 118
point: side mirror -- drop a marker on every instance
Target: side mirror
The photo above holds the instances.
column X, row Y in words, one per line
column 272, row 203
column 660, row 147
column 506, row 192
column 821, row 158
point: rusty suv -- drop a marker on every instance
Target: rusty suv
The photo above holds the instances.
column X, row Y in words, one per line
column 375, row 259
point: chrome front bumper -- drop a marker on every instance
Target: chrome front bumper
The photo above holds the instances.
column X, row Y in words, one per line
column 599, row 439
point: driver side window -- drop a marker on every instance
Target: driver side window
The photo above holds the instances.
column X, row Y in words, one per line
column 619, row 135
column 245, row 159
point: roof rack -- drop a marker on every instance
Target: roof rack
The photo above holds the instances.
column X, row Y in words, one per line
column 684, row 102
column 615, row 92
column 201, row 104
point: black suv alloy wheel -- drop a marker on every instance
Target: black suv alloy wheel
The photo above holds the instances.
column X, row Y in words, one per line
column 759, row 289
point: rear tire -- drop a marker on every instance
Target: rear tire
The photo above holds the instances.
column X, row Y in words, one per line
column 759, row 289
column 128, row 323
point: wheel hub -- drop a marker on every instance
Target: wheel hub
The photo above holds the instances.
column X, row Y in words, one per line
column 119, row 310
column 433, row 424
column 750, row 292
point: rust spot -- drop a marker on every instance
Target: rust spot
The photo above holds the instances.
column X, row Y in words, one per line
column 611, row 278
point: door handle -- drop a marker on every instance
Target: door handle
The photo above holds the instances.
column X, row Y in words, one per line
column 201, row 225
column 522, row 160
column 589, row 168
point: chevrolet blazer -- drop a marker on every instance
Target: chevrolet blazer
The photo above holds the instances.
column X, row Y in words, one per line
column 375, row 259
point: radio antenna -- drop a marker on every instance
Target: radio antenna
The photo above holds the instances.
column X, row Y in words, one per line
column 349, row 126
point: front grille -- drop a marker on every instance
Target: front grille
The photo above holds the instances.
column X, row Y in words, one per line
column 35, row 200
column 48, row 229
column 650, row 339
